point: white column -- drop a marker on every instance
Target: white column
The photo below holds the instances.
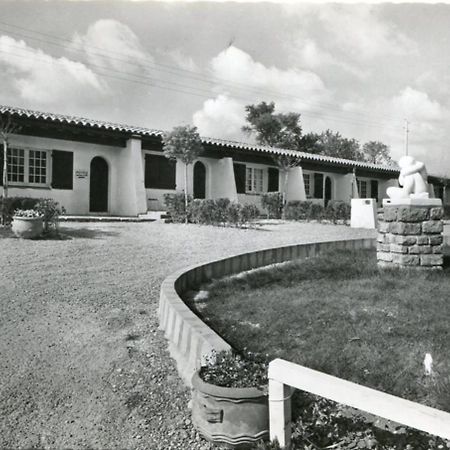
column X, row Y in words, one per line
column 280, row 413
column 130, row 189
column 296, row 186
column 221, row 179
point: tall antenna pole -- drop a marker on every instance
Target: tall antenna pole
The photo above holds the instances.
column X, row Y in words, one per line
column 406, row 136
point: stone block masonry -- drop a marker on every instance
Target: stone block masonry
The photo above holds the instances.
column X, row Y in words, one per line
column 410, row 234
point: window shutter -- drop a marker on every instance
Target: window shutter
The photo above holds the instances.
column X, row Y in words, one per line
column 1, row 166
column 62, row 170
column 239, row 176
column 273, row 180
column 374, row 189
column 160, row 172
column 318, row 185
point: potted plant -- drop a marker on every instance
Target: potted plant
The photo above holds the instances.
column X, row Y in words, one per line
column 230, row 399
column 27, row 223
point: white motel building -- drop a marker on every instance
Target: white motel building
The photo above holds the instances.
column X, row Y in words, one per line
column 95, row 167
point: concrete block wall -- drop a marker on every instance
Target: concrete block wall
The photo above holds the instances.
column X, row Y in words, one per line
column 191, row 341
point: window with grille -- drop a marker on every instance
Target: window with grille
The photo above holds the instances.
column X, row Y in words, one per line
column 254, row 180
column 27, row 166
column 37, row 167
column 362, row 188
column 16, row 165
column 307, row 182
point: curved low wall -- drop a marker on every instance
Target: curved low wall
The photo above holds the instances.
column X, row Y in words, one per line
column 190, row 339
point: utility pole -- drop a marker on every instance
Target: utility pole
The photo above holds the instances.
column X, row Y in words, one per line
column 406, row 136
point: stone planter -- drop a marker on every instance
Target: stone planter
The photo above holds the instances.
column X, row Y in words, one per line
column 27, row 227
column 236, row 417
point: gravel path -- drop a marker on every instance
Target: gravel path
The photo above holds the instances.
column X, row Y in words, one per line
column 82, row 362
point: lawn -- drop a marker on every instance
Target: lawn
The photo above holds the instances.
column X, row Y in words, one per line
column 339, row 314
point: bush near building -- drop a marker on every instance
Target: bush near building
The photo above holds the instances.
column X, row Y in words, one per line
column 219, row 211
column 306, row 210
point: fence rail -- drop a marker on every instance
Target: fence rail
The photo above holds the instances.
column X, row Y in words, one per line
column 284, row 374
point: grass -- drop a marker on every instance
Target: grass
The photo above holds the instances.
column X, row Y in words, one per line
column 338, row 313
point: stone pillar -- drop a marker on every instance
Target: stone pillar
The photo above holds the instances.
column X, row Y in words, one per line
column 410, row 233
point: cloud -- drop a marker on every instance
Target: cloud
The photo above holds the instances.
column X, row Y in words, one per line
column 291, row 88
column 416, row 105
column 183, row 61
column 109, row 43
column 220, row 117
column 359, row 31
column 241, row 81
column 44, row 79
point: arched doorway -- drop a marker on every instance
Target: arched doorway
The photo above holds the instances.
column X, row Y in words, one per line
column 328, row 190
column 98, row 187
column 199, row 180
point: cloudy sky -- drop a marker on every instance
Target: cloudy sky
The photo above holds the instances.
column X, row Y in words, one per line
column 357, row 69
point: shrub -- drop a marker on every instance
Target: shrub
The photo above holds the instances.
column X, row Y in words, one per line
column 50, row 210
column 337, row 210
column 231, row 369
column 273, row 203
column 222, row 205
column 248, row 213
column 175, row 204
column 234, row 214
column 298, row 210
column 316, row 212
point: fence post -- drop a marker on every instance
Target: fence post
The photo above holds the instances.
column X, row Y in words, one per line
column 280, row 413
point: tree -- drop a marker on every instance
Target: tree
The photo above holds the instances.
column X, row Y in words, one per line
column 331, row 143
column 377, row 153
column 7, row 127
column 282, row 130
column 183, row 143
column 276, row 130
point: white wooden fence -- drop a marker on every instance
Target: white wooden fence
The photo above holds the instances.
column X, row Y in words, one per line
column 284, row 374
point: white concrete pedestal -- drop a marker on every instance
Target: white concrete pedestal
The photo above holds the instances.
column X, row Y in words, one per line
column 363, row 213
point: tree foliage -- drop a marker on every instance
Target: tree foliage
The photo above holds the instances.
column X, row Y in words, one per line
column 331, row 143
column 282, row 130
column 185, row 144
column 182, row 143
column 377, row 153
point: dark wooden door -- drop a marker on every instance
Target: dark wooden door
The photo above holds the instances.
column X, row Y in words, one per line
column 98, row 190
column 328, row 190
column 199, row 180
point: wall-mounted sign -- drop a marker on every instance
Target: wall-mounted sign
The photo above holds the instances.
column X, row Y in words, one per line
column 81, row 173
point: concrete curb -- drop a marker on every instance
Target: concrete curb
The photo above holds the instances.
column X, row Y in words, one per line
column 191, row 341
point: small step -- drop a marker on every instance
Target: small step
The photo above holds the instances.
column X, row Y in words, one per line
column 156, row 215
column 88, row 218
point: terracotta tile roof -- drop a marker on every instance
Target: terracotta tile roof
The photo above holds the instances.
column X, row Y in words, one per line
column 220, row 143
column 74, row 120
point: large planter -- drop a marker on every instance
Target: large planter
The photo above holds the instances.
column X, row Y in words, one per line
column 27, row 227
column 236, row 417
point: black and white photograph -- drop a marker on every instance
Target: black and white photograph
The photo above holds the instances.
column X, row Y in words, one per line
column 224, row 225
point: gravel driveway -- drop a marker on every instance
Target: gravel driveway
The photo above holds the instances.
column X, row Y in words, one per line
column 82, row 362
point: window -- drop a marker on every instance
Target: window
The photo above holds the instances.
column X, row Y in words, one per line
column 362, row 188
column 27, row 166
column 273, row 178
column 16, row 165
column 318, row 185
column 160, row 172
column 37, row 167
column 254, row 180
column 307, row 182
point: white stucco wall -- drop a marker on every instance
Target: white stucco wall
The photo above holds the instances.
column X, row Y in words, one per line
column 123, row 175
